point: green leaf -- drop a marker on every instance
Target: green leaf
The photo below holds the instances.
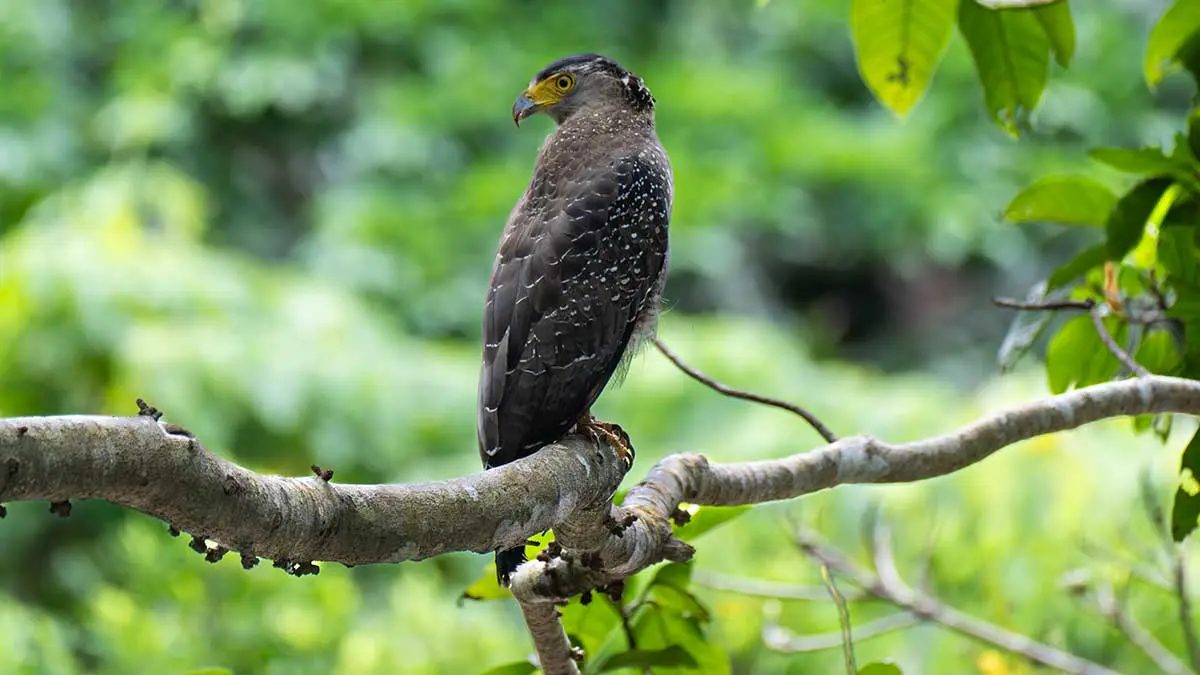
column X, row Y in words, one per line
column 706, row 518
column 514, row 668
column 1193, row 132
column 880, row 668
column 670, row 590
column 898, row 44
column 682, row 601
column 658, row 627
column 1127, row 221
column 1173, row 30
column 1187, row 497
column 1183, row 213
column 1158, row 352
column 1178, row 253
column 1070, row 200
column 1055, row 18
column 1087, row 260
column 1150, row 161
column 1012, row 55
column 673, row 574
column 596, row 627
column 210, row 671
column 1077, row 357
column 650, row 658
column 1186, row 306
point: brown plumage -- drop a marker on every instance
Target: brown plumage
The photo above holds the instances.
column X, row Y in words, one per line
column 579, row 274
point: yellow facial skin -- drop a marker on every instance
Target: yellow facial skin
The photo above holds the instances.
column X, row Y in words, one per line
column 541, row 95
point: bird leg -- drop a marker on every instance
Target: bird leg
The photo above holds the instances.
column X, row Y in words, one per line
column 611, row 433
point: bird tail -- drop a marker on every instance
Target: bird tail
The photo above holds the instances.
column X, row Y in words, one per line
column 507, row 561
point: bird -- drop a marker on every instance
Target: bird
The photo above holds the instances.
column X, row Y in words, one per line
column 577, row 280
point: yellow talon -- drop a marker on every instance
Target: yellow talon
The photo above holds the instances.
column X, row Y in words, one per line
column 611, row 433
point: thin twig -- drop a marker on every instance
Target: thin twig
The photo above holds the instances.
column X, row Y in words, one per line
column 630, row 638
column 781, row 639
column 843, row 621
column 1178, row 561
column 1160, row 299
column 707, row 381
column 929, row 608
column 1185, row 610
column 1114, row 609
column 766, row 589
column 1085, row 305
column 1151, row 575
column 1116, row 349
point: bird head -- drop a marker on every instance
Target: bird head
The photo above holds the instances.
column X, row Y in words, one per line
column 581, row 82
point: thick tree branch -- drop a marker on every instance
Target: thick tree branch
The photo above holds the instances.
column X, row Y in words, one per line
column 156, row 469
column 134, row 462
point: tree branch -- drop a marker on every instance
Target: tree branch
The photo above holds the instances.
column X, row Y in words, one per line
column 1115, row 611
column 1050, row 306
column 886, row 585
column 135, row 462
column 555, row 655
column 1115, row 349
column 160, row 470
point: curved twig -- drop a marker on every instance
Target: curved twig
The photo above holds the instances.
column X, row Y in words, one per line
column 731, row 392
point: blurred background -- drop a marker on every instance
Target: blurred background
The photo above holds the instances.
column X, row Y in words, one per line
column 275, row 221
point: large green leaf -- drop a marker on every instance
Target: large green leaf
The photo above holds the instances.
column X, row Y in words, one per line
column 671, row 589
column 1077, row 357
column 1187, row 496
column 898, row 44
column 1127, row 222
column 1070, row 200
column 1177, row 25
column 660, row 627
column 1179, row 254
column 1055, row 18
column 1186, row 306
column 1012, row 54
column 1151, row 161
column 1158, row 352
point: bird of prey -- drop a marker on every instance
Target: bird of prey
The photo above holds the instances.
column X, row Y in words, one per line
column 579, row 273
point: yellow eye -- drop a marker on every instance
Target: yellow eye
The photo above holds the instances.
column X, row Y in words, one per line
column 563, row 82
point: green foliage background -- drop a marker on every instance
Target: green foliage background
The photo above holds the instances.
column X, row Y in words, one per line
column 275, row 221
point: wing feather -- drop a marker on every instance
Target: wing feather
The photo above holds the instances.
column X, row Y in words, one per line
column 573, row 276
